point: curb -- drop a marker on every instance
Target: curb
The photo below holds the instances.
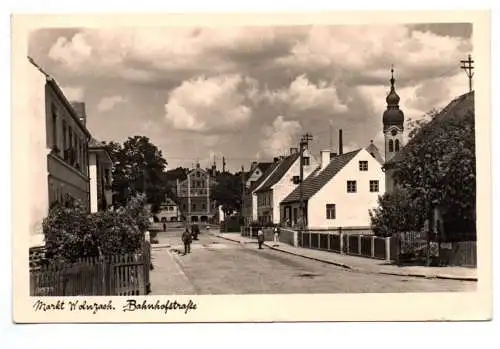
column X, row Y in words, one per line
column 445, row 277
column 312, row 258
column 238, row 241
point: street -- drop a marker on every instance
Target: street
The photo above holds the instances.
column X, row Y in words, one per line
column 219, row 266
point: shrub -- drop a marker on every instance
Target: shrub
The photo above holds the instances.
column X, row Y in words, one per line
column 72, row 233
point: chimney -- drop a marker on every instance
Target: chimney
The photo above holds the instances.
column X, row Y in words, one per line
column 79, row 108
column 325, row 158
column 332, row 155
column 340, row 143
column 293, row 151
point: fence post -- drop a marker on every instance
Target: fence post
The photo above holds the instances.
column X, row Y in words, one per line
column 359, row 244
column 341, row 237
column 347, row 247
column 295, row 238
column 373, row 246
column 328, row 241
column 310, row 239
column 388, row 249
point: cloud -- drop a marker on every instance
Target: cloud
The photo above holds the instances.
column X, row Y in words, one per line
column 73, row 93
column 209, row 104
column 280, row 136
column 109, row 102
column 302, row 95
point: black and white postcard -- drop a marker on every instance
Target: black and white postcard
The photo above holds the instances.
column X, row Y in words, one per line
column 251, row 168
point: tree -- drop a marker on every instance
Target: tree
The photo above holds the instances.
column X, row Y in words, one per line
column 396, row 212
column 138, row 168
column 227, row 192
column 439, row 168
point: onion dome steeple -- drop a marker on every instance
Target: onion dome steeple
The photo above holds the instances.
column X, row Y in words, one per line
column 393, row 115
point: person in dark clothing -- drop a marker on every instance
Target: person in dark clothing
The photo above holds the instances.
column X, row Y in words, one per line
column 260, row 238
column 164, row 226
column 187, row 239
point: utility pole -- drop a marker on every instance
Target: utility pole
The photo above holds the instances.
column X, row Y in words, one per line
column 223, row 164
column 304, row 143
column 242, row 194
column 468, row 68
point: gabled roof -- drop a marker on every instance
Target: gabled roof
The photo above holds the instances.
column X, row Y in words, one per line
column 264, row 177
column 283, row 166
column 319, row 178
column 372, row 149
column 459, row 106
column 264, row 166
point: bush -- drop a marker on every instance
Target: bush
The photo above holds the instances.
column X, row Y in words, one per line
column 72, row 233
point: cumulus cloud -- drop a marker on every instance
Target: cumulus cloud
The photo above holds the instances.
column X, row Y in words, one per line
column 209, row 104
column 279, row 137
column 302, row 95
column 109, row 102
column 73, row 93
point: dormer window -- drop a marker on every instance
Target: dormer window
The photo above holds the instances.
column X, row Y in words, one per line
column 305, row 161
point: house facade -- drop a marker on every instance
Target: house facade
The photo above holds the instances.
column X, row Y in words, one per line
column 58, row 148
column 169, row 212
column 280, row 184
column 194, row 195
column 100, row 169
column 250, row 198
column 339, row 193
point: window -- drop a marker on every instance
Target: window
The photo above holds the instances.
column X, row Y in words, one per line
column 183, row 206
column 194, row 207
column 204, row 207
column 396, row 145
column 54, row 127
column 197, row 174
column 391, row 146
column 64, row 134
column 305, row 161
column 351, row 186
column 363, row 165
column 330, row 211
column 373, row 186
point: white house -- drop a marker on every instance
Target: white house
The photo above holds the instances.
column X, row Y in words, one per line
column 57, row 146
column 280, row 184
column 169, row 211
column 100, row 170
column 340, row 192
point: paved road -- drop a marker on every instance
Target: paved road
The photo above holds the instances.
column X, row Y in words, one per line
column 218, row 266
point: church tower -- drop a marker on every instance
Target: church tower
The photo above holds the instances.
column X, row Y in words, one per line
column 393, row 121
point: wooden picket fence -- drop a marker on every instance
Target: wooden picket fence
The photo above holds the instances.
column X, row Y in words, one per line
column 116, row 275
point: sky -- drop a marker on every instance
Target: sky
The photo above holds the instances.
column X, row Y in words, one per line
column 249, row 93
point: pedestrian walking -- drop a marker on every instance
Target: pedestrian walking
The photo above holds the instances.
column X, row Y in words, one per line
column 187, row 239
column 260, row 238
column 276, row 236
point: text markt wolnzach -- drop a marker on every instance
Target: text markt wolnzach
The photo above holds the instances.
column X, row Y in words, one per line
column 133, row 305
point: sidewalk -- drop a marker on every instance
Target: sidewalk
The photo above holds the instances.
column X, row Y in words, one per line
column 362, row 264
column 167, row 277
